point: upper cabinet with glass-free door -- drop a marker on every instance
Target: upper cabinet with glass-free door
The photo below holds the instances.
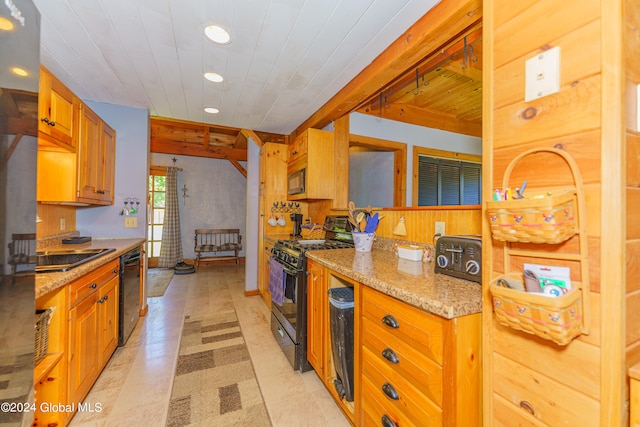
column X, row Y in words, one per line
column 56, row 109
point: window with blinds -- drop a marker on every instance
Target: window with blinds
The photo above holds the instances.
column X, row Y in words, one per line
column 443, row 182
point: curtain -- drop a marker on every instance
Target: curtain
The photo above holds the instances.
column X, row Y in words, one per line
column 171, row 248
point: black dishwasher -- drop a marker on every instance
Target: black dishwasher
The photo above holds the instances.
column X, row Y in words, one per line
column 129, row 303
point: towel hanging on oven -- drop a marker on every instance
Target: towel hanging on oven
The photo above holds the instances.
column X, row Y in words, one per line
column 276, row 281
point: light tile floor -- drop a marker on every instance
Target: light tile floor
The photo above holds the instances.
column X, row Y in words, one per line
column 135, row 387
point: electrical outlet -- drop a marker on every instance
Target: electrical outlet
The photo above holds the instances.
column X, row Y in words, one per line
column 439, row 228
column 63, row 224
column 130, row 222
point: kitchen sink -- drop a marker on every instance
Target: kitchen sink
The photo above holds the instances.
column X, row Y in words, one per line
column 66, row 259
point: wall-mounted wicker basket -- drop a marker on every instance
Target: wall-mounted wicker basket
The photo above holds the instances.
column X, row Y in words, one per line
column 551, row 219
column 556, row 319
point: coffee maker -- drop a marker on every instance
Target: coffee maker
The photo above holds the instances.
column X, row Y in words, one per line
column 297, row 224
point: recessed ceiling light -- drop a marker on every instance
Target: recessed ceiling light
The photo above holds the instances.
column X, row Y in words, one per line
column 212, row 110
column 19, row 72
column 213, row 77
column 217, row 34
column 5, row 24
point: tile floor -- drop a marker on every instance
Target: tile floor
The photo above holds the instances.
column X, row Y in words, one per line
column 135, row 387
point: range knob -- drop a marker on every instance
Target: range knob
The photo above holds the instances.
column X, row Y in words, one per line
column 472, row 267
column 442, row 261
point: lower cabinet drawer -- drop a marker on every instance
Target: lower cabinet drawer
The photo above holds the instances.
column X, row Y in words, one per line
column 421, row 330
column 522, row 393
column 89, row 283
column 422, row 372
column 395, row 394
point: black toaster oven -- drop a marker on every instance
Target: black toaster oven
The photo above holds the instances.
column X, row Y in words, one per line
column 460, row 256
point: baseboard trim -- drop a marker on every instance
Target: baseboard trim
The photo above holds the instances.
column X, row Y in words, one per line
column 251, row 293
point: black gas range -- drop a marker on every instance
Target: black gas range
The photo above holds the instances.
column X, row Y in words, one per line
column 289, row 308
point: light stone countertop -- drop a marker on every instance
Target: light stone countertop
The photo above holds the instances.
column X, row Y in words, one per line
column 49, row 282
column 413, row 282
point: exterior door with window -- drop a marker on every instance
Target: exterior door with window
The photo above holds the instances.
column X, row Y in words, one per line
column 157, row 192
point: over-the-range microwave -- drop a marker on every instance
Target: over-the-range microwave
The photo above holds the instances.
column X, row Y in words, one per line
column 296, row 182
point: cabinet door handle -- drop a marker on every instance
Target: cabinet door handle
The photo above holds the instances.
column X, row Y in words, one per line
column 390, row 391
column 387, row 421
column 390, row 355
column 45, row 120
column 100, row 191
column 293, row 153
column 93, row 285
column 115, row 271
column 101, row 300
column 52, row 124
column 390, row 321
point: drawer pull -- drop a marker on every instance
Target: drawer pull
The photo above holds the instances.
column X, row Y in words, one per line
column 527, row 407
column 390, row 355
column 390, row 391
column 93, row 285
column 388, row 422
column 390, row 321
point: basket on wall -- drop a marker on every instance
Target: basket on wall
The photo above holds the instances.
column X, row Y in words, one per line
column 549, row 218
column 43, row 318
column 557, row 319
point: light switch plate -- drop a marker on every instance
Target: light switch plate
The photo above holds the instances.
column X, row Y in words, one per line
column 130, row 222
column 542, row 74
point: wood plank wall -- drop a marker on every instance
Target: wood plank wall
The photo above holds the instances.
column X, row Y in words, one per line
column 632, row 80
column 563, row 385
column 51, row 215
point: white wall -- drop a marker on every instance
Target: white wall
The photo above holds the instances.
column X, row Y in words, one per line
column 412, row 135
column 216, row 196
column 132, row 147
column 371, row 178
column 253, row 181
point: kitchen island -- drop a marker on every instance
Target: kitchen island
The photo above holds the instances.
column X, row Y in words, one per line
column 416, row 339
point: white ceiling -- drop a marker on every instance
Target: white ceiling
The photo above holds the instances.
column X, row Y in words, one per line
column 286, row 58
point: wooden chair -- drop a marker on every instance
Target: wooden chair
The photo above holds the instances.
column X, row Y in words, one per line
column 22, row 250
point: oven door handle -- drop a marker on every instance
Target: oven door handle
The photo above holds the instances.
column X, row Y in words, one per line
column 289, row 271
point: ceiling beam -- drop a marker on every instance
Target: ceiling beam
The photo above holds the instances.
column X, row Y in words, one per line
column 444, row 22
column 196, row 150
column 421, row 117
column 249, row 134
column 238, row 166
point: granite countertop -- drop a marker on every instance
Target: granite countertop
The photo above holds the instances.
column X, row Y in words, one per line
column 413, row 282
column 48, row 282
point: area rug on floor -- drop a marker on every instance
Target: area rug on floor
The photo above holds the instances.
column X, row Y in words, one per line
column 214, row 383
column 158, row 280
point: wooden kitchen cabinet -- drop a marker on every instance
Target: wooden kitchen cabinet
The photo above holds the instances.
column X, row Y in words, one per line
column 313, row 152
column 81, row 171
column 93, row 327
column 56, row 111
column 96, row 159
column 50, row 374
column 417, row 368
column 273, row 189
column 317, row 311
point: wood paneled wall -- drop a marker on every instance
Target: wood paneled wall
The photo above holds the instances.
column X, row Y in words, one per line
column 51, row 215
column 581, row 383
column 632, row 80
column 420, row 222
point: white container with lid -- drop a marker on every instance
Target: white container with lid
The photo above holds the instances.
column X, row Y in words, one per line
column 410, row 252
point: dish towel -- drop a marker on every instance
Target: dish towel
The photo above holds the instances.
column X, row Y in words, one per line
column 276, row 281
